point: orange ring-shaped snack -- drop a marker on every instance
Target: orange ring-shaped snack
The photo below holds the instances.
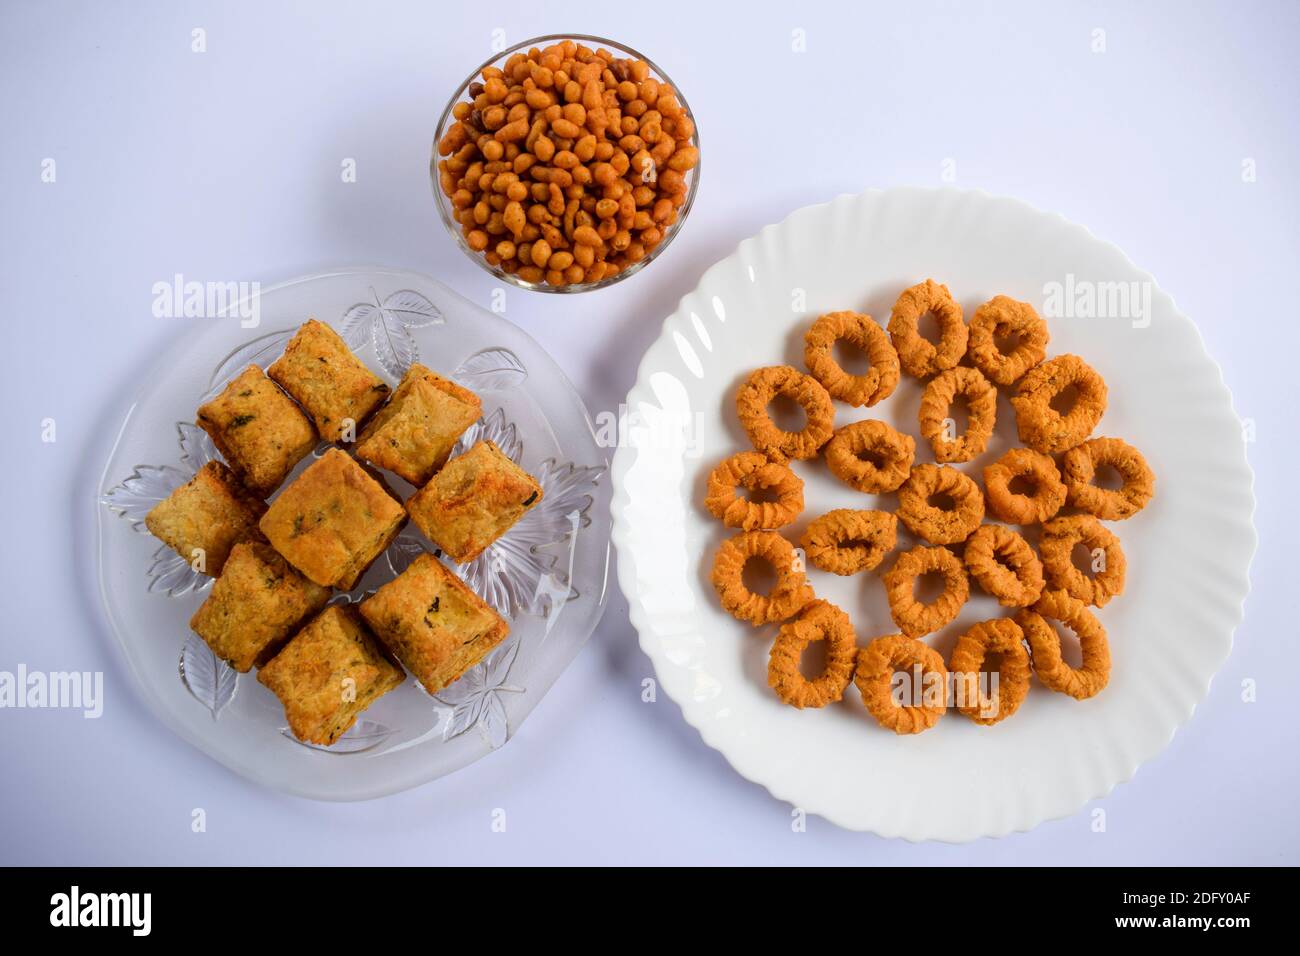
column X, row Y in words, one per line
column 1005, row 565
column 912, row 617
column 758, row 391
column 1042, row 427
column 1037, row 470
column 845, row 541
column 1080, row 466
column 940, row 525
column 981, row 402
column 874, row 678
column 1056, row 544
column 999, row 318
column 863, row 332
column 870, row 456
column 819, row 621
column 791, row 593
column 753, row 472
column 1082, row 682
column 919, row 357
column 1003, row 639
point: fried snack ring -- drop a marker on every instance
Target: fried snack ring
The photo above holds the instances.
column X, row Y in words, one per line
column 1042, row 427
column 935, row 524
column 1005, row 565
column 874, row 678
column 791, row 593
column 919, row 357
column 756, row 394
column 1080, row 466
column 1003, row 638
column 845, row 541
column 912, row 617
column 819, row 621
column 864, row 333
column 1056, row 544
column 870, row 456
column 1037, row 469
column 1000, row 317
column 982, row 402
column 1045, row 645
column 753, row 472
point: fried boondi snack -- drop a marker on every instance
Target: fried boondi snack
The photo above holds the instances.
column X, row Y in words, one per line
column 1080, row 467
column 333, row 520
column 819, row 621
column 758, row 391
column 1005, row 565
column 898, row 710
column 328, row 674
column 845, row 541
column 206, row 517
column 952, row 519
column 258, row 429
column 912, row 617
column 753, row 472
column 981, row 401
column 864, row 333
column 1032, row 468
column 433, row 622
column 791, row 593
column 1057, row 544
column 414, row 433
column 870, row 456
column 999, row 642
column 1082, row 682
column 1042, row 427
column 919, row 357
column 255, row 606
column 1001, row 318
column 473, row 501
column 333, row 385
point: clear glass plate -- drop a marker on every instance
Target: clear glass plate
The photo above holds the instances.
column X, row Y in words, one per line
column 547, row 575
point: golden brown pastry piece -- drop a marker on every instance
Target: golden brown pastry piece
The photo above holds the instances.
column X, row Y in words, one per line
column 1003, row 318
column 870, row 456
column 1080, row 467
column 913, row 617
column 819, row 621
column 206, row 517
column 995, row 648
column 320, row 371
column 753, row 472
column 1005, row 565
column 789, row 595
column 936, row 401
column 913, row 703
column 1043, row 498
column 918, row 356
column 758, row 391
column 1091, row 677
column 941, row 504
column 861, row 331
column 1042, row 427
column 845, row 541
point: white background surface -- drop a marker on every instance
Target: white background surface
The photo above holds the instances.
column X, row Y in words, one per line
column 225, row 166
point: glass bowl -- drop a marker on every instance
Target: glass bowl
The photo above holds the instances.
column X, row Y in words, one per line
column 445, row 209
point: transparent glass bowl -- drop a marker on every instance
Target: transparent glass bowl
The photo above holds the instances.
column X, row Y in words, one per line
column 447, row 211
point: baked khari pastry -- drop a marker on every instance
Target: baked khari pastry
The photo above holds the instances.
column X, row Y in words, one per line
column 206, row 517
column 320, row 371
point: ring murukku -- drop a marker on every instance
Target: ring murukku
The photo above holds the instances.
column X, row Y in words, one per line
column 981, row 403
column 940, row 523
column 845, row 541
column 758, row 391
column 862, row 332
column 1036, row 470
column 919, row 357
column 819, row 621
column 870, row 456
column 1057, row 543
column 1000, row 639
column 1005, row 565
column 1002, row 317
column 1042, row 427
column 1080, row 466
column 898, row 710
column 789, row 595
column 1045, row 645
column 912, row 617
column 753, row 472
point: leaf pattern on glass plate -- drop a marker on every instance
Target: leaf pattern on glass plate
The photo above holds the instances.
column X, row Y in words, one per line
column 197, row 448
column 475, row 699
column 364, row 735
column 388, row 324
column 261, row 351
column 135, row 497
column 210, row 679
column 491, row 370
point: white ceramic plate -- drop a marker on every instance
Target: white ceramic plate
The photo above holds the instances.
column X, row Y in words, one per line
column 547, row 575
column 1188, row 552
